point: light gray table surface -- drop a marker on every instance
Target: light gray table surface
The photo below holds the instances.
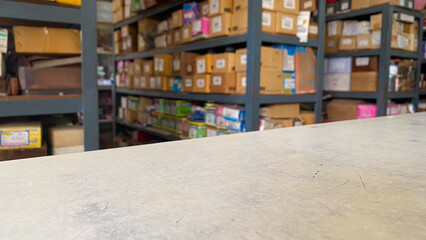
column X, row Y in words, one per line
column 363, row 179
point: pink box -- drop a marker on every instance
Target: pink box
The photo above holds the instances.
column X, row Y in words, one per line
column 201, row 27
column 366, row 111
column 220, row 121
column 392, row 110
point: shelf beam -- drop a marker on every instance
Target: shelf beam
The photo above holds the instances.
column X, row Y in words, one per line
column 281, row 39
column 35, row 107
column 357, row 13
column 163, row 134
column 350, row 95
column 296, row 98
column 354, row 54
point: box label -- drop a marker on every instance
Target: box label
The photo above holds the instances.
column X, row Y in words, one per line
column 143, row 82
column 214, row 6
column 307, row 5
column 177, row 36
column 175, row 20
column 185, row 33
column 244, row 82
column 220, row 64
column 402, row 41
column 362, row 61
column 171, row 82
column 330, row 43
column 290, row 4
column 158, row 82
column 217, row 80
column 159, row 65
column 313, row 29
column 188, row 82
column 201, row 83
column 287, row 23
column 152, row 82
column 217, row 24
column 176, row 65
column 243, row 59
column 205, row 9
column 15, row 139
column 347, row 41
column 410, row 4
column 266, row 19
column 330, row 9
column 289, row 83
column 201, row 66
column 211, row 132
column 146, row 68
column 196, row 26
column 268, row 4
column 407, row 18
column 345, row 6
column 363, row 43
column 401, row 3
column 376, row 38
column 210, row 118
column 332, row 28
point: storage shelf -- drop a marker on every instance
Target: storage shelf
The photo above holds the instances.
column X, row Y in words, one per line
column 295, row 98
column 416, row 14
column 105, row 121
column 193, row 46
column 221, row 98
column 422, row 92
column 151, row 12
column 403, row 54
column 354, row 54
column 359, row 95
column 401, row 95
column 33, row 106
column 39, row 12
column 356, row 13
column 105, row 88
column 281, row 39
column 150, row 130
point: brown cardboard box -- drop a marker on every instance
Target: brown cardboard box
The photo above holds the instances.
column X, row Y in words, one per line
column 204, row 8
column 117, row 35
column 239, row 21
column 183, row 63
column 281, row 111
column 177, row 17
column 128, row 81
column 241, row 60
column 380, row 2
column 269, row 21
column 129, row 44
column 308, row 5
column 364, row 82
column 360, row 4
column 288, row 6
column 342, row 109
column 148, row 67
column 130, row 116
column 331, row 44
column 136, row 81
column 202, row 83
column 150, row 3
column 307, row 117
column 306, row 68
column 144, row 43
column 161, row 83
column 169, row 38
column 188, row 83
column 347, row 43
column 363, row 42
column 282, row 123
column 118, row 48
column 413, row 42
column 117, row 4
column 266, row 5
column 152, row 83
column 241, row 82
column 144, row 82
column 271, row 82
column 160, row 41
column 129, row 67
column 365, row 64
column 221, row 25
column 177, row 38
column 286, row 23
column 271, row 59
column 334, row 28
column 170, row 82
column 223, row 83
column 204, row 64
column 313, row 31
column 376, row 22
column 46, row 40
column 376, row 39
column 13, row 154
column 223, row 63
column 147, row 26
column 163, row 64
column 118, row 16
column 186, row 34
column 137, row 66
column 128, row 30
column 66, row 136
column 217, row 7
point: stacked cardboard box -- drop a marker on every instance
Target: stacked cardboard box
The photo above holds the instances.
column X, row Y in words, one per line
column 129, row 39
column 402, row 75
column 280, row 116
column 336, row 6
column 66, row 139
column 118, row 10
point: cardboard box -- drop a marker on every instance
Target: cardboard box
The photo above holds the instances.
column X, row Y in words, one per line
column 240, row 17
column 202, row 83
column 130, row 116
column 364, row 81
column 413, row 42
column 17, row 153
column 266, row 5
column 217, row 7
column 129, row 44
column 392, row 2
column 331, row 44
column 307, row 117
column 186, row 34
column 340, row 82
column 204, row 64
column 221, row 25
column 241, row 60
column 269, row 21
column 365, row 64
column 169, row 38
column 147, row 26
column 188, row 83
column 201, row 28
column 118, row 16
column 148, row 67
column 339, row 65
column 241, row 82
column 376, row 22
column 376, row 37
column 46, row 40
column 163, row 64
column 286, row 23
column 128, row 83
column 281, row 111
column 160, row 41
column 223, row 63
column 144, row 82
column 288, row 6
column 138, row 66
column 308, row 5
column 177, row 37
column 342, row 109
column 334, row 28
column 360, row 4
column 306, row 71
column 289, row 52
column 363, row 42
column 271, row 59
column 289, row 83
column 271, row 82
column 67, row 150
column 128, row 30
column 152, row 83
column 177, row 17
column 347, row 43
column 66, row 136
column 117, row 4
column 313, row 31
column 20, row 135
column 118, row 48
column 204, row 8
column 117, row 35
column 223, row 83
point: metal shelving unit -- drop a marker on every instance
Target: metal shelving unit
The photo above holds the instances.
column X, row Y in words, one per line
column 42, row 14
column 253, row 40
column 163, row 134
column 385, row 54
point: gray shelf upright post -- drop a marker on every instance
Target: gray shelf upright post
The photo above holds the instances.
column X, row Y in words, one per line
column 419, row 64
column 384, row 60
column 320, row 61
column 89, row 75
column 254, row 42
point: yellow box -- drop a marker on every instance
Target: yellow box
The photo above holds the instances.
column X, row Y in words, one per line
column 20, row 135
column 72, row 2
